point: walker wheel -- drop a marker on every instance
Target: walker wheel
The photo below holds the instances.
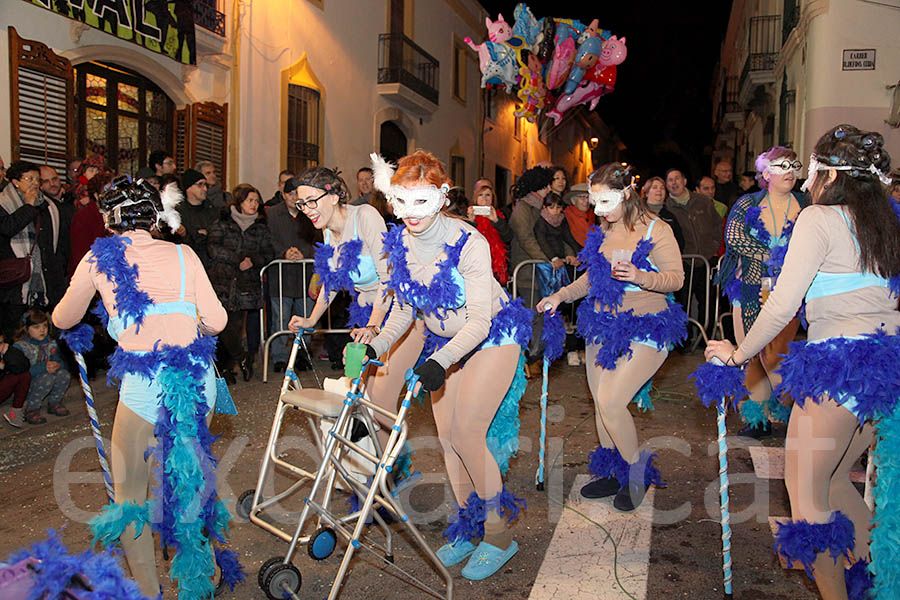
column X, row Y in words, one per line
column 282, row 581
column 244, row 504
column 266, row 568
column 322, row 543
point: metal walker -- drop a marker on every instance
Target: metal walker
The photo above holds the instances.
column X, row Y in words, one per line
column 278, row 577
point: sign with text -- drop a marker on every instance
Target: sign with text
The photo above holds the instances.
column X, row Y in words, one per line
column 859, row 60
column 163, row 26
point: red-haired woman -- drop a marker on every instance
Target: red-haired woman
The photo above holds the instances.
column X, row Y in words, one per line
column 493, row 226
column 472, row 336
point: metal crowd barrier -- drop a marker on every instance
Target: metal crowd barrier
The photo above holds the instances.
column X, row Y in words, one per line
column 689, row 261
column 719, row 328
column 532, row 264
column 305, row 264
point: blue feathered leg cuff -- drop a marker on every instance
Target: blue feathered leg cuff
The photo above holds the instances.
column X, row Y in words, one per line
column 506, row 504
column 232, row 571
column 801, row 541
column 858, row 580
column 607, row 462
column 644, row 468
column 468, row 522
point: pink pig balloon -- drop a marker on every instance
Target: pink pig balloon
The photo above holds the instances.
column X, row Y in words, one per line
column 613, row 53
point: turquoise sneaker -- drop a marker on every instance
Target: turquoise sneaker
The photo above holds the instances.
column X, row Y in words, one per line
column 487, row 560
column 452, row 554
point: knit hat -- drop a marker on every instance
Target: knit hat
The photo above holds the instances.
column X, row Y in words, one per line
column 190, row 177
column 576, row 190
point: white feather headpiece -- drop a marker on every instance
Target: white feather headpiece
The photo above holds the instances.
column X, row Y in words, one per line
column 170, row 196
column 406, row 202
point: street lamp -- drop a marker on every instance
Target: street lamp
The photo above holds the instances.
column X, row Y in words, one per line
column 594, row 143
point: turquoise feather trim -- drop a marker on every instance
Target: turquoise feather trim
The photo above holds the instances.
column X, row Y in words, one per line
column 503, row 435
column 642, row 398
column 110, row 524
column 753, row 413
column 886, row 521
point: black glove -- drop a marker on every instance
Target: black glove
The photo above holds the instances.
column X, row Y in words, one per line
column 431, row 375
column 370, row 352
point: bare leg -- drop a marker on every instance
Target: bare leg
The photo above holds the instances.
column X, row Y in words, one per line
column 613, row 390
column 819, row 438
column 770, row 357
column 755, row 378
column 385, row 386
column 131, row 437
column 843, row 496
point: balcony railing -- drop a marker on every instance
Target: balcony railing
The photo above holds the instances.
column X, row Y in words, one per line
column 764, row 44
column 207, row 16
column 729, row 102
column 400, row 60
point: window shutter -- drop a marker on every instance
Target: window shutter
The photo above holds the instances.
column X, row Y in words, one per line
column 182, row 139
column 42, row 90
column 209, row 135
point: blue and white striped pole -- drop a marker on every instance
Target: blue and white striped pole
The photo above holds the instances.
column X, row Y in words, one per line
column 723, row 500
column 95, row 424
column 553, row 335
column 539, row 476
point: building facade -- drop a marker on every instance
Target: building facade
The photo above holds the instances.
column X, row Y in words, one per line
column 792, row 69
column 260, row 86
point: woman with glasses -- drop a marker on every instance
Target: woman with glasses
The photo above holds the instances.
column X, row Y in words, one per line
column 756, row 238
column 351, row 257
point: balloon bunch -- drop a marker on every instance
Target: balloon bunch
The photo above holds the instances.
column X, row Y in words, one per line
column 551, row 63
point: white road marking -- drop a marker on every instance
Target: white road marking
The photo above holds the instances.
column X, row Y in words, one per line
column 580, row 560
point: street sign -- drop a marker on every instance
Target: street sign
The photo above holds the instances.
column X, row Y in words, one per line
column 859, row 60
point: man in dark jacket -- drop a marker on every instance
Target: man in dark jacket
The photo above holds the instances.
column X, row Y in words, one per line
column 28, row 220
column 278, row 198
column 197, row 213
column 703, row 230
column 292, row 239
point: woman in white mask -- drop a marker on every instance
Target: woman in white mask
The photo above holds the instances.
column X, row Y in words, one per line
column 449, row 309
column 629, row 322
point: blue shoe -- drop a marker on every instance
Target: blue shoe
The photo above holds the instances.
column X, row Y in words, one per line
column 452, row 554
column 487, row 560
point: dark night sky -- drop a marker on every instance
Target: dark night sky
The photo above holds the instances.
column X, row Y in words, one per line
column 661, row 105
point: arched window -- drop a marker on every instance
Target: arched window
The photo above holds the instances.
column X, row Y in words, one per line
column 302, row 128
column 122, row 115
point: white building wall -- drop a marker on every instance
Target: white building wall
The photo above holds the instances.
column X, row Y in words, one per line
column 859, row 98
column 340, row 41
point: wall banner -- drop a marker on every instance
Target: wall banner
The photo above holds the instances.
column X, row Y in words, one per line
column 163, row 26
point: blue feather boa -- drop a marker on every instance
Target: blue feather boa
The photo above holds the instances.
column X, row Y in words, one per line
column 553, row 335
column 801, row 541
column 715, row 383
column 864, row 368
column 886, row 522
column 108, row 254
column 513, row 320
column 53, row 575
column 79, row 338
column 468, row 522
column 359, row 315
column 439, row 296
column 604, row 288
column 338, row 278
column 614, row 332
column 858, row 580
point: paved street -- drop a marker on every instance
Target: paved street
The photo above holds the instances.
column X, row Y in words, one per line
column 569, row 548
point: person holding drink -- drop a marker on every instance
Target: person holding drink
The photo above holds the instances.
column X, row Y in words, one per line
column 629, row 321
column 756, row 237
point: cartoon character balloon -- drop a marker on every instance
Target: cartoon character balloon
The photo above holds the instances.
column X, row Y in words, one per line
column 545, row 58
column 496, row 57
column 598, row 81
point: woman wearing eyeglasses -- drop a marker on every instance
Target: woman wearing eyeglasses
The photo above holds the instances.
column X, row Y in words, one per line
column 757, row 233
column 351, row 257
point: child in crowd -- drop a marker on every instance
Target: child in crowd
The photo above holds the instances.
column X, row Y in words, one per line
column 49, row 377
column 553, row 233
column 14, row 379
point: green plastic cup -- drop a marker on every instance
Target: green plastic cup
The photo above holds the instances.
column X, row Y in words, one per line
column 353, row 359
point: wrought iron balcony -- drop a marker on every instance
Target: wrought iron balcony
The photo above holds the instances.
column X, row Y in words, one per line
column 401, row 61
column 790, row 19
column 764, row 45
column 207, row 16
